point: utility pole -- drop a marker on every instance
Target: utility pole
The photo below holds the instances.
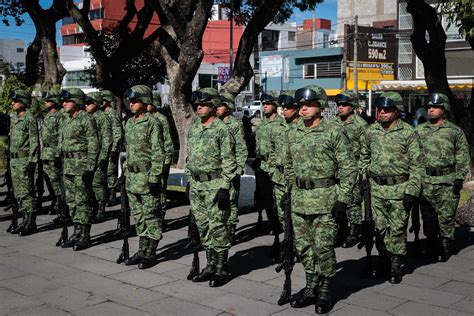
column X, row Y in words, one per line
column 356, row 40
column 231, row 40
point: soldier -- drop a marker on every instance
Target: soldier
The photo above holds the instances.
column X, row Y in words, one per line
column 143, row 172
column 224, row 112
column 79, row 146
column 391, row 159
column 115, row 120
column 354, row 127
column 50, row 154
column 318, row 152
column 104, row 129
column 24, row 145
column 446, row 161
column 211, row 167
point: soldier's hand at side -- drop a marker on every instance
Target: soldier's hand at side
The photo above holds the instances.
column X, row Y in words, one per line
column 222, row 199
column 114, row 156
column 155, row 189
column 409, row 201
column 30, row 169
column 339, row 211
column 103, row 165
column 88, row 177
column 457, row 186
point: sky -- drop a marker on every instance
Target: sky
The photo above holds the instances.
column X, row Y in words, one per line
column 26, row 32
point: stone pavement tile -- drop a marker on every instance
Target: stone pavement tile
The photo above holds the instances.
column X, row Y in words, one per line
column 189, row 291
column 65, row 256
column 415, row 308
column 374, row 300
column 469, row 254
column 7, row 272
column 251, row 289
column 458, row 263
column 88, row 282
column 33, row 248
column 174, row 306
column 423, row 280
column 109, row 254
column 293, row 312
column 110, row 309
column 43, row 310
column 29, row 284
column 5, row 250
column 262, row 275
column 52, row 270
column 305, row 310
column 465, row 306
column 21, row 261
column 68, row 298
column 443, row 269
column 266, row 240
column 239, row 305
column 188, row 259
column 129, row 295
column 297, row 282
column 12, row 240
column 180, row 273
column 165, row 266
column 461, row 288
column 358, row 310
column 11, row 302
column 142, row 278
column 95, row 248
column 422, row 295
column 99, row 266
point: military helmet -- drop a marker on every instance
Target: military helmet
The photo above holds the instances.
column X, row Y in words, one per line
column 141, row 93
column 228, row 100
column 287, row 98
column 347, row 97
column 312, row 93
column 95, row 97
column 268, row 98
column 23, row 96
column 438, row 99
column 73, row 94
column 206, row 95
column 390, row 99
column 51, row 96
column 156, row 99
column 107, row 95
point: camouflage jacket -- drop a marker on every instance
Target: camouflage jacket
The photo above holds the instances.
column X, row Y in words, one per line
column 237, row 132
column 50, row 135
column 79, row 135
column 144, row 146
column 104, row 128
column 168, row 142
column 389, row 153
column 24, row 138
column 210, row 149
column 354, row 128
column 116, row 129
column 319, row 153
column 266, row 133
column 444, row 146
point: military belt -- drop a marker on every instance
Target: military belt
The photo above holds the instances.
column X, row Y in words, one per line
column 308, row 184
column 19, row 154
column 436, row 172
column 205, row 176
column 75, row 154
column 139, row 168
column 391, row 180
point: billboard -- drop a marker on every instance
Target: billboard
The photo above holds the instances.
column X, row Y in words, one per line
column 271, row 65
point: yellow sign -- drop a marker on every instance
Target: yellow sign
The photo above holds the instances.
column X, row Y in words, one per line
column 369, row 73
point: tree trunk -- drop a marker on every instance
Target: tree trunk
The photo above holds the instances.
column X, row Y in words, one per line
column 53, row 69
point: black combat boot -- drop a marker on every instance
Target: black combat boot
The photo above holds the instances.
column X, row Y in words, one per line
column 231, row 230
column 354, row 236
column 84, row 241
column 54, row 207
column 324, row 300
column 383, row 266
column 20, row 227
column 100, row 216
column 149, row 260
column 74, row 237
column 395, row 269
column 432, row 247
column 206, row 273
column 445, row 250
column 30, row 226
column 221, row 276
column 307, row 295
column 138, row 256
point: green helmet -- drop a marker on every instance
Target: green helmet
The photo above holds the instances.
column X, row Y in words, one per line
column 287, row 98
column 347, row 97
column 95, row 97
column 73, row 94
column 51, row 96
column 312, row 93
column 390, row 99
column 269, row 98
column 438, row 99
column 206, row 95
column 228, row 100
column 23, row 96
column 107, row 95
column 140, row 92
column 156, row 99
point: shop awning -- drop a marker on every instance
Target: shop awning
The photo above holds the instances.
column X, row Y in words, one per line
column 332, row 92
column 420, row 85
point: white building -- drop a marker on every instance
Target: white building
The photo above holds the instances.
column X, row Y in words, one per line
column 13, row 51
column 76, row 60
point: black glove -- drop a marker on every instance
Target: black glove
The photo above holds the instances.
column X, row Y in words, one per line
column 103, row 165
column 236, row 182
column 256, row 163
column 88, row 177
column 57, row 162
column 30, row 169
column 114, row 156
column 222, row 199
column 409, row 202
column 457, row 186
column 155, row 189
column 339, row 211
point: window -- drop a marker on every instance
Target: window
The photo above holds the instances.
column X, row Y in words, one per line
column 291, row 36
column 405, row 20
column 308, row 71
column 20, row 50
column 76, row 79
column 96, row 14
column 20, row 65
column 405, row 51
column 207, row 81
column 270, row 40
column 325, row 40
column 405, row 73
column 322, row 70
column 420, row 69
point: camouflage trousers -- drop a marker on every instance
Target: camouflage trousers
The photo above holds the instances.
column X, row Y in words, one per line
column 279, row 190
column 99, row 185
column 234, row 206
column 79, row 198
column 210, row 220
column 391, row 221
column 265, row 197
column 438, row 206
column 164, row 185
column 354, row 210
column 23, row 185
column 146, row 213
column 52, row 170
column 112, row 174
column 315, row 238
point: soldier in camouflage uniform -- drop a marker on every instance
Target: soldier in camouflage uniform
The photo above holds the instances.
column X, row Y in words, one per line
column 115, row 120
column 50, row 154
column 446, row 161
column 24, row 146
column 318, row 152
column 354, row 127
column 210, row 169
column 143, row 172
column 104, row 129
column 79, row 146
column 224, row 112
column 391, row 159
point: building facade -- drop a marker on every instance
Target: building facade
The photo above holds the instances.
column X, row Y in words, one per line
column 13, row 51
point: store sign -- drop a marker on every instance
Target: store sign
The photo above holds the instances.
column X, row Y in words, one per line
column 223, row 74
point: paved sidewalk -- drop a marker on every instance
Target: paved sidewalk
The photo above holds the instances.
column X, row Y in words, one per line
column 37, row 278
